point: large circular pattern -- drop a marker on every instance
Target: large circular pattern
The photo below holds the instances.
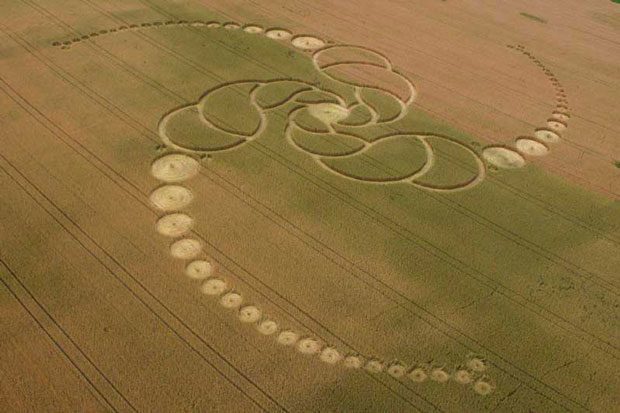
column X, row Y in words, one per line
column 185, row 249
column 171, row 197
column 199, row 269
column 174, row 225
column 178, row 167
column 175, row 168
column 214, row 286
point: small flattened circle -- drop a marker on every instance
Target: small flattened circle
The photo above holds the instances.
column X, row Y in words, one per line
column 232, row 26
column 353, row 362
column 174, row 225
column 374, row 366
column 330, row 355
column 231, row 300
column 287, row 338
column 185, row 249
column 418, row 375
column 309, row 346
column 213, row 286
column 278, row 34
column 253, row 29
column 556, row 125
column 267, row 327
column 396, row 370
column 171, row 197
column 307, row 42
column 503, row 157
column 477, row 364
column 439, row 375
column 463, row 376
column 249, row 314
column 547, row 135
column 175, row 168
column 199, row 269
column 531, row 147
column 483, row 388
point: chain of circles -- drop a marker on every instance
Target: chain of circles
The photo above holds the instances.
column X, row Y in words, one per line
column 171, row 198
column 504, row 156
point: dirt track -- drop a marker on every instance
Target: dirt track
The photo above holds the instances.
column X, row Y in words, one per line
column 97, row 315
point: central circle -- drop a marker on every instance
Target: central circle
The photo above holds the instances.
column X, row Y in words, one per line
column 328, row 113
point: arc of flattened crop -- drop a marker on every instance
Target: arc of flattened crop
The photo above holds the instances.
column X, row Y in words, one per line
column 327, row 92
column 316, row 155
column 374, row 115
column 318, row 53
column 404, row 104
column 401, row 179
column 452, row 188
column 289, row 97
column 262, row 124
column 163, row 135
column 385, row 59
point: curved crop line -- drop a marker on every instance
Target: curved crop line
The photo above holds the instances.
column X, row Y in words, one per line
column 339, row 99
column 288, row 98
column 409, row 84
column 352, row 62
column 202, row 102
column 374, row 115
column 323, row 154
column 478, row 178
column 347, row 175
column 289, row 138
column 351, row 108
column 316, row 55
column 163, row 134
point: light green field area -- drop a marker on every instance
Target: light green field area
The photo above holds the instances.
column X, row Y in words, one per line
column 520, row 270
